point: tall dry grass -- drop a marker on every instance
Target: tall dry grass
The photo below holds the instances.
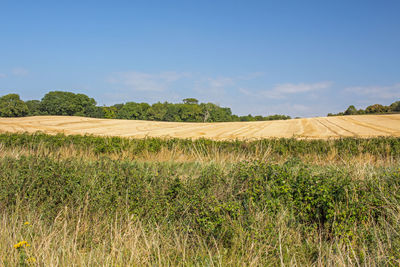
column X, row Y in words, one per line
column 83, row 234
column 76, row 238
column 215, row 155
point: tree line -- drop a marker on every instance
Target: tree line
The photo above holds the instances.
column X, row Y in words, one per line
column 372, row 109
column 71, row 104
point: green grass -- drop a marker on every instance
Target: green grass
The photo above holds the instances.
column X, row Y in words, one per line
column 385, row 147
column 249, row 212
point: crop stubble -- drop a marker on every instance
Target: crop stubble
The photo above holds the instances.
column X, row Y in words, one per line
column 313, row 128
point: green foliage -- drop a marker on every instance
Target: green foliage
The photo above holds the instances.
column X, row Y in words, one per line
column 376, row 109
column 110, row 112
column 210, row 203
column 133, row 111
column 373, row 109
column 33, row 107
column 228, row 206
column 395, row 107
column 193, row 101
column 67, row 103
column 383, row 147
column 12, row 106
column 351, row 110
column 71, row 104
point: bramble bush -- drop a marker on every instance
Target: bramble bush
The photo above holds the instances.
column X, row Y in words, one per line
column 383, row 147
column 210, row 203
column 224, row 204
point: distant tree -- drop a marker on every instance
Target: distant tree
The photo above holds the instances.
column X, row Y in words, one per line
column 377, row 108
column 395, row 107
column 247, row 118
column 360, row 111
column 133, row 111
column 172, row 113
column 110, row 112
column 86, row 105
column 12, row 106
column 95, row 112
column 351, row 110
column 190, row 112
column 67, row 103
column 118, row 106
column 33, row 107
column 157, row 111
column 192, row 101
column 235, row 118
column 276, row 117
column 71, row 104
column 259, row 118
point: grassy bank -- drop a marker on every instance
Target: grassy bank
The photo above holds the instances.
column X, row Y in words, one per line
column 373, row 150
column 108, row 210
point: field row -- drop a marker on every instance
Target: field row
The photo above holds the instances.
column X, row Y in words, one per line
column 312, row 128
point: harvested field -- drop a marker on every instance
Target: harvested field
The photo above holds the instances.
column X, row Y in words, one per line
column 314, row 128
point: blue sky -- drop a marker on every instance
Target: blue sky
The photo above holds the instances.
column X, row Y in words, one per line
column 300, row 58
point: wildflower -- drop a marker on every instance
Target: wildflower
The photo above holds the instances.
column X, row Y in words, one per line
column 26, row 223
column 31, row 260
column 21, row 244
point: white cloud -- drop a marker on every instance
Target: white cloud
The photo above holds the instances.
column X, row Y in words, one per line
column 161, row 82
column 220, row 82
column 2, row 75
column 213, row 87
column 174, row 86
column 374, row 92
column 281, row 90
column 141, row 81
column 290, row 88
column 19, row 71
column 251, row 76
column 246, row 92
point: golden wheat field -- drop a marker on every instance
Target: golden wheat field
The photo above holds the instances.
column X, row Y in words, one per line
column 322, row 127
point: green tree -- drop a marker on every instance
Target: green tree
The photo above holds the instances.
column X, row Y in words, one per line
column 172, row 113
column 395, row 107
column 351, row 110
column 217, row 113
column 33, row 107
column 12, row 106
column 377, row 108
column 95, row 112
column 110, row 112
column 86, row 105
column 134, row 111
column 67, row 103
column 190, row 112
column 191, row 101
column 157, row 111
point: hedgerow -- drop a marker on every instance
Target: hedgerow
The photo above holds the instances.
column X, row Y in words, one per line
column 385, row 147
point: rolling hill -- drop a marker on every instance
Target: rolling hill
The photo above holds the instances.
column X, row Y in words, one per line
column 313, row 128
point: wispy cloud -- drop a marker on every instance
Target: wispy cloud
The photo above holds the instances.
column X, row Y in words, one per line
column 290, row 88
column 282, row 90
column 376, row 92
column 19, row 71
column 2, row 75
column 141, row 81
column 251, row 76
column 220, row 82
column 218, row 86
column 168, row 81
